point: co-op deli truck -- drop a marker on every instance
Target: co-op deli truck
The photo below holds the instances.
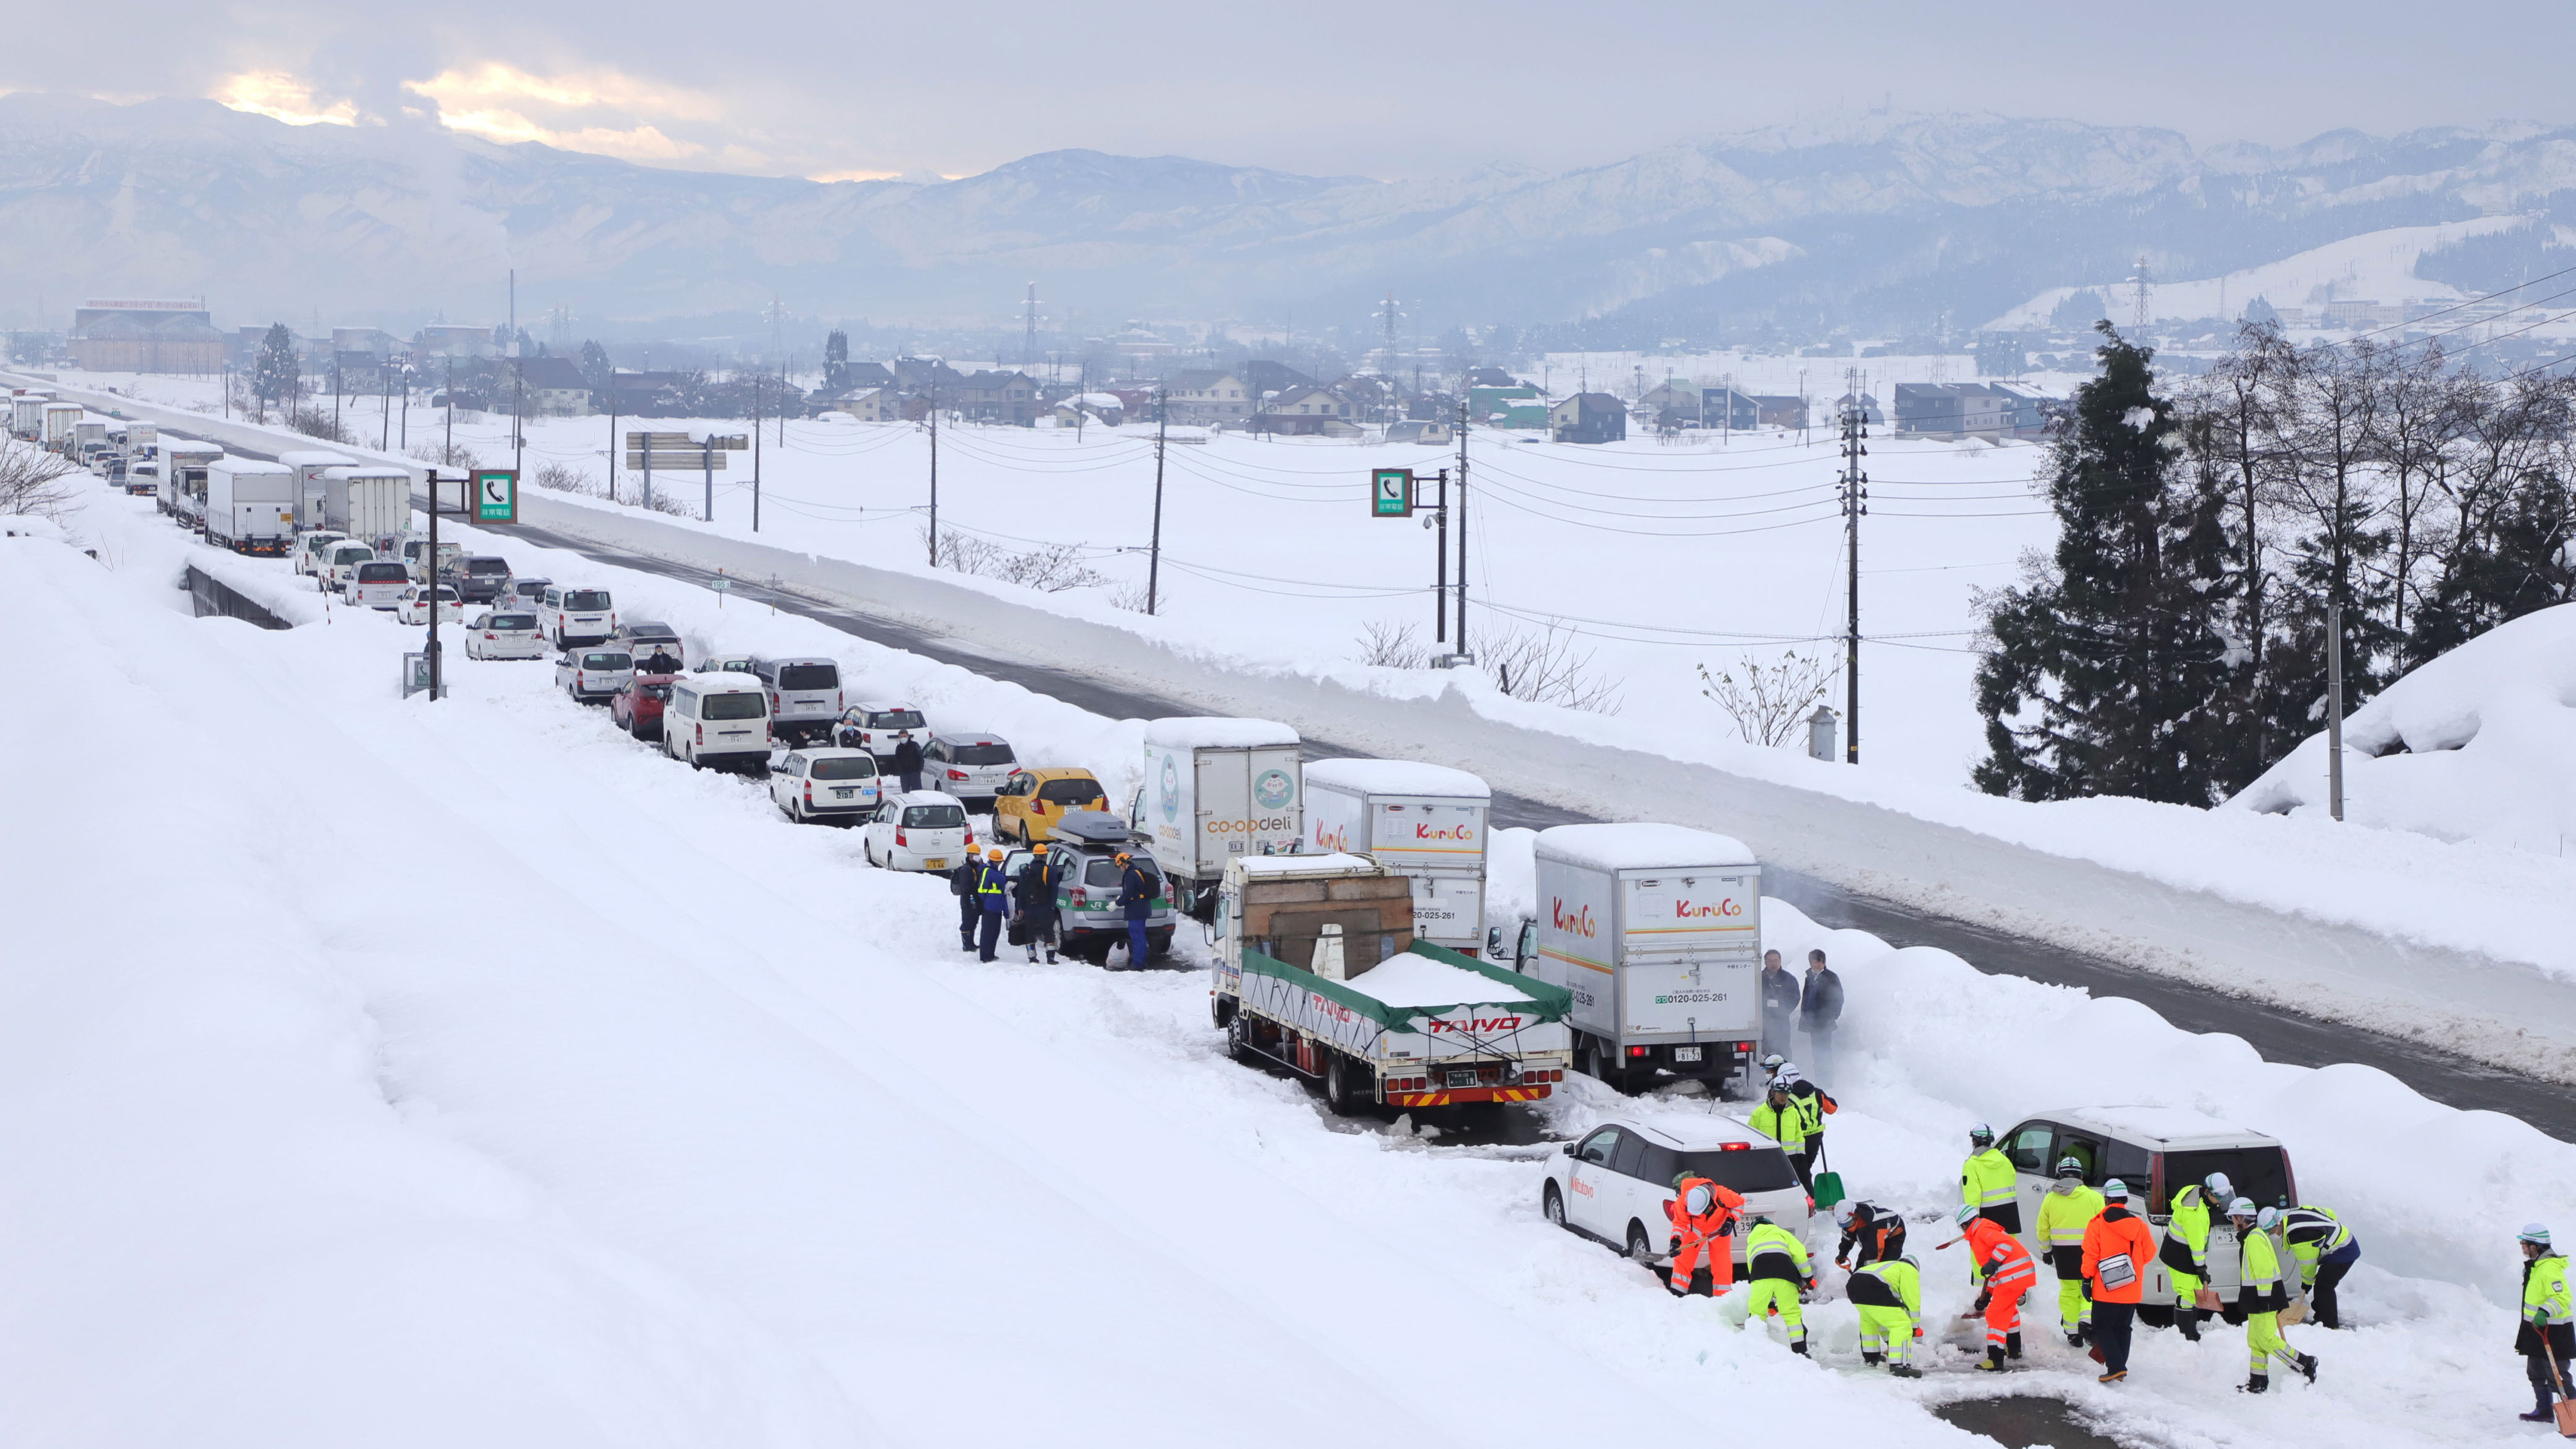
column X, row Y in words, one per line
column 1215, row 789
column 1656, row 930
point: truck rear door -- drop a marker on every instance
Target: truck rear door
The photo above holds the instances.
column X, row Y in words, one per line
column 1690, row 945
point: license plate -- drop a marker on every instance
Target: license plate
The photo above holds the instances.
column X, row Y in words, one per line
column 1686, row 1054
column 935, row 862
column 1462, row 1077
column 838, row 794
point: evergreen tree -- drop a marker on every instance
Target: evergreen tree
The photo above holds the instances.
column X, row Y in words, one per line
column 836, row 362
column 2110, row 672
column 595, row 366
column 276, row 372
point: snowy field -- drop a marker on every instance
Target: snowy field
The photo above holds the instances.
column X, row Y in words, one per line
column 2514, row 908
column 468, row 1073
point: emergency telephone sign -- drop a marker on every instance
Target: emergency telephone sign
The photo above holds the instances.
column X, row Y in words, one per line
column 496, row 496
column 1391, row 493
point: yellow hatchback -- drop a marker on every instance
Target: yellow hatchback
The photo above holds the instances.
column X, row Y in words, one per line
column 1031, row 803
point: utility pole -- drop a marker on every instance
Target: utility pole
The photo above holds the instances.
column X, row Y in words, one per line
column 1462, row 529
column 449, row 454
column 2334, row 710
column 385, row 405
column 1855, row 500
column 612, row 432
column 1029, row 345
column 437, row 681
column 518, row 384
column 335, row 392
column 1440, row 565
column 755, row 443
column 707, row 451
column 2139, row 321
column 932, row 413
column 782, row 404
column 1154, row 558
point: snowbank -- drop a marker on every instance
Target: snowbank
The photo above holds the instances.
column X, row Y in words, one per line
column 2477, row 745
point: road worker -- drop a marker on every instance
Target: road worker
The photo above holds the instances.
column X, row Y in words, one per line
column 1033, row 897
column 1781, row 1119
column 2118, row 1246
column 1875, row 1234
column 1813, row 1104
column 1136, row 891
column 970, row 912
column 1986, row 1181
column 992, row 892
column 2326, row 1250
column 1775, row 1262
column 2008, row 1274
column 2545, row 1340
column 2064, row 1213
column 1703, row 1216
column 2186, row 1250
column 2261, row 1295
column 1889, row 1295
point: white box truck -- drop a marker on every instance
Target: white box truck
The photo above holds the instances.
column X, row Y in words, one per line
column 183, row 481
column 27, row 414
column 370, row 504
column 250, row 505
column 1215, row 789
column 61, row 418
column 1425, row 822
column 142, row 440
column 309, row 466
column 1317, row 969
column 1657, row 932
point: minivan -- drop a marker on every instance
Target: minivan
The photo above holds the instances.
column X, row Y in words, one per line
column 804, row 696
column 479, row 577
column 591, row 675
column 313, row 545
column 377, row 583
column 717, row 719
column 573, row 616
column 335, row 570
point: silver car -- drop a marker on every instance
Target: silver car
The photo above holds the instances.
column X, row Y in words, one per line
column 498, row 635
column 969, row 764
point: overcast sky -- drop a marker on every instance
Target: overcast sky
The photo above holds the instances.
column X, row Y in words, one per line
column 1330, row 87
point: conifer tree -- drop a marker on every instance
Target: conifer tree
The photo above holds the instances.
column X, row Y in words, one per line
column 276, row 373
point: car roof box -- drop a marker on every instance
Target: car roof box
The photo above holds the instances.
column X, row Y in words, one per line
column 1092, row 827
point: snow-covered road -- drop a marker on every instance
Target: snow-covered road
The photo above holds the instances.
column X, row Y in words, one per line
column 414, row 1073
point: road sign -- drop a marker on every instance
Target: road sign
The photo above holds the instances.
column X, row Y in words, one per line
column 659, row 441
column 673, row 442
column 667, row 461
column 496, row 495
column 1391, row 492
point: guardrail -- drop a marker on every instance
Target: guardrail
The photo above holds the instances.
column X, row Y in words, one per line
column 211, row 595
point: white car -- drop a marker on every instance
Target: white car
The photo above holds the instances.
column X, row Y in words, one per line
column 969, row 764
column 504, row 636
column 313, row 547
column 916, row 830
column 878, row 728
column 835, row 785
column 572, row 615
column 591, row 675
column 377, row 583
column 417, row 600
column 1611, row 1184
column 337, row 567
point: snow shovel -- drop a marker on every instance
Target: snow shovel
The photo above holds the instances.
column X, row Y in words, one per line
column 2565, row 1411
column 1826, row 1187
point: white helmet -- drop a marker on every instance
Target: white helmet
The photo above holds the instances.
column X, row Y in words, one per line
column 2220, row 1189
column 2536, row 1233
column 1966, row 1214
column 1699, row 1199
column 2264, row 1220
column 1774, row 1062
column 2115, row 1190
column 1848, row 1210
column 2243, row 1207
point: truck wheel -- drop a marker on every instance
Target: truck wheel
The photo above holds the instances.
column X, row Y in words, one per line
column 1222, row 1008
column 1238, row 1038
column 1346, row 1085
column 1551, row 1205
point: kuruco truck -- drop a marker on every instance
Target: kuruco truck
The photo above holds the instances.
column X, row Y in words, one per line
column 1425, row 822
column 1213, row 790
column 1318, row 969
column 1656, row 932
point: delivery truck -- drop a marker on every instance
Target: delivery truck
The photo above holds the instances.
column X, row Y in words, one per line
column 250, row 506
column 371, row 504
column 86, row 433
column 1424, row 822
column 1656, row 931
column 1213, row 790
column 27, row 415
column 61, row 418
column 309, row 466
column 1317, row 969
column 142, row 440
column 183, row 481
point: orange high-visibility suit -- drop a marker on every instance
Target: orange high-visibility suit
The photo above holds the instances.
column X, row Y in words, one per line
column 2009, row 1273
column 1696, row 1235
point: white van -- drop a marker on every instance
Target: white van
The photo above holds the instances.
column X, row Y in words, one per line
column 312, row 545
column 804, row 695
column 377, row 583
column 337, row 566
column 573, row 616
column 717, row 719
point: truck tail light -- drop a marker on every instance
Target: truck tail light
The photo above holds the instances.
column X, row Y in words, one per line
column 1638, row 1051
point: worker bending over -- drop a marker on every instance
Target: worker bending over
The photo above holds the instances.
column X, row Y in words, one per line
column 2261, row 1295
column 1703, row 1216
column 2065, row 1213
column 1776, row 1263
column 1876, row 1234
column 2186, row 1250
column 2004, row 1266
column 1889, row 1294
column 2326, row 1250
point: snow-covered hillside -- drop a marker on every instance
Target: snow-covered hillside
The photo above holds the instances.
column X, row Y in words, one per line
column 2479, row 744
column 417, row 1073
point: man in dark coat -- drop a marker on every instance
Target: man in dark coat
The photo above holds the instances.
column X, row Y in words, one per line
column 907, row 764
column 1136, row 903
column 1033, row 894
column 1820, row 1007
column 961, row 884
column 1780, row 995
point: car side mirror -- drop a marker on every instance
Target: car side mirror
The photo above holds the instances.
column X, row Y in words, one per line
column 1568, row 1149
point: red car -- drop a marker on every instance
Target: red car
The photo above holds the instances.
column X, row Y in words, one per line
column 637, row 707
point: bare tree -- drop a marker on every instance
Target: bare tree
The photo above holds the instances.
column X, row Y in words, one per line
column 1049, row 568
column 1392, row 646
column 564, row 478
column 1547, row 668
column 32, row 481
column 1769, row 701
column 447, row 455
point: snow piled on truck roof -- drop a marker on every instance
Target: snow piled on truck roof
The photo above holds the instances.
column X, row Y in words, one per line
column 1183, row 732
column 1408, row 981
column 1643, row 845
column 1395, row 777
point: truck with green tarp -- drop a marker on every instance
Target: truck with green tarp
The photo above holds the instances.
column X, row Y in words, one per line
column 1317, row 969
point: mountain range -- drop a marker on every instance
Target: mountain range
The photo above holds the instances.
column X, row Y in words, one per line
column 1885, row 222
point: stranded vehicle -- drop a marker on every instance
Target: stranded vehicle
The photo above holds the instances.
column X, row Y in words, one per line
column 1612, row 1183
column 1657, row 932
column 804, row 697
column 972, row 765
column 1083, row 848
column 1215, row 790
column 1317, row 969
column 1424, row 822
column 826, row 783
column 636, row 707
column 1032, row 802
column 2157, row 1151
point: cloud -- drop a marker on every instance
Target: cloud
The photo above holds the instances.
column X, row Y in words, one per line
column 494, row 83
column 281, row 97
column 636, row 143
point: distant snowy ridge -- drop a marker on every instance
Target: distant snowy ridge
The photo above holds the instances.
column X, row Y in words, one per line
column 2375, row 266
column 2479, row 744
